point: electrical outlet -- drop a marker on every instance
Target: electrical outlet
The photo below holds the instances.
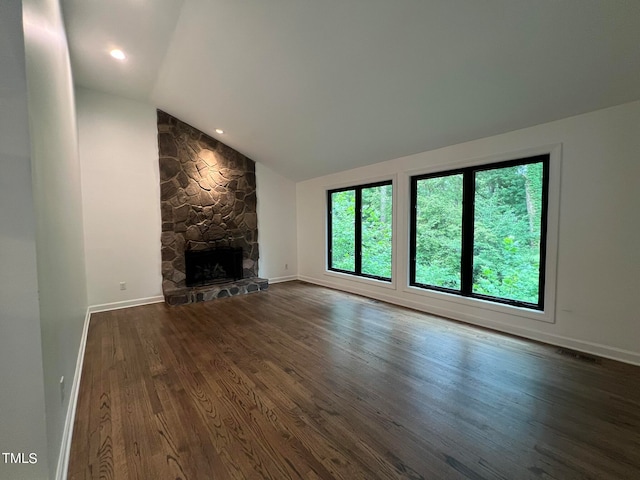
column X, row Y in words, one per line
column 62, row 392
column 123, row 285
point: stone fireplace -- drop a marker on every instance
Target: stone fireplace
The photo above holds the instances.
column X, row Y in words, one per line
column 208, row 203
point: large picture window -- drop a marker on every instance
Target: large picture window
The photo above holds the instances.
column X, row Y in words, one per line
column 360, row 230
column 481, row 231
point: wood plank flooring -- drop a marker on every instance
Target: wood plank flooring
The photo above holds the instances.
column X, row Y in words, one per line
column 306, row 382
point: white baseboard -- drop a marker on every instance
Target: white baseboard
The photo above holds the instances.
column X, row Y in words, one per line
column 67, row 433
column 600, row 350
column 288, row 278
column 105, row 307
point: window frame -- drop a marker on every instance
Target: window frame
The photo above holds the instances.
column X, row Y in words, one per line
column 468, row 214
column 358, row 230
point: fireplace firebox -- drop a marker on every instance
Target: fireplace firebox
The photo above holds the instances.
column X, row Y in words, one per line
column 216, row 265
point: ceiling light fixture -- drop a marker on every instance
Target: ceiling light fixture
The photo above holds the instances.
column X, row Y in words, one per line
column 117, row 54
column 219, row 130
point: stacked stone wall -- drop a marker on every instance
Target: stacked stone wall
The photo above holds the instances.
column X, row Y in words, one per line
column 207, row 199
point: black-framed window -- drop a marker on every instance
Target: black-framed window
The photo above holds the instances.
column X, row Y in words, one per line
column 360, row 230
column 480, row 231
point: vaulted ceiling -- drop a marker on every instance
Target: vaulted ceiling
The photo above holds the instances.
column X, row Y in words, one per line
column 314, row 87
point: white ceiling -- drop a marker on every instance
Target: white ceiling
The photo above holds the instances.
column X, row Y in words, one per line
column 310, row 87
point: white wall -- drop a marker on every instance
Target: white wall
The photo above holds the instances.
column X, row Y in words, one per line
column 276, row 225
column 22, row 401
column 598, row 260
column 58, row 207
column 121, row 202
column 121, row 198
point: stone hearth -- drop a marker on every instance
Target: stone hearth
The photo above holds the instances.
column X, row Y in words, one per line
column 211, row 292
column 207, row 200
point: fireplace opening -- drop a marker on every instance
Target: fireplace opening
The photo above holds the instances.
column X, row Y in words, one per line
column 217, row 265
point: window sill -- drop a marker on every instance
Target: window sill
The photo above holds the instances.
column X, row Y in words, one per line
column 364, row 280
column 547, row 315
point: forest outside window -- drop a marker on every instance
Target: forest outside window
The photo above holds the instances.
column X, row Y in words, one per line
column 360, row 230
column 481, row 231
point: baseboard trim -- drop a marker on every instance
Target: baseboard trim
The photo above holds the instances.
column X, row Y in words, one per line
column 105, row 307
column 288, row 278
column 67, row 434
column 600, row 350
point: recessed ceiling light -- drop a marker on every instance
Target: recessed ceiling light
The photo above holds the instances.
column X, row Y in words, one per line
column 219, row 130
column 117, row 54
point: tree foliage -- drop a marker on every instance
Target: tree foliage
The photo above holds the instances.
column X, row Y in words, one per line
column 506, row 231
column 343, row 232
column 507, row 219
column 376, row 230
column 439, row 231
column 507, row 222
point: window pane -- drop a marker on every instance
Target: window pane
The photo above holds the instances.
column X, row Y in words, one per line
column 439, row 231
column 376, row 231
column 507, row 225
column 343, row 232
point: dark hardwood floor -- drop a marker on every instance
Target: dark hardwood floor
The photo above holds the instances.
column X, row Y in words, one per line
column 306, row 382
